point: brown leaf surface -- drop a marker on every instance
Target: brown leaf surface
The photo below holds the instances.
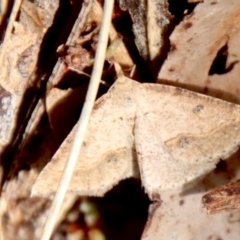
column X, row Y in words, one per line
column 21, row 50
column 181, row 215
column 203, row 41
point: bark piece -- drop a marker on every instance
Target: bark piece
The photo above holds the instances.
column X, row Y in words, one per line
column 150, row 20
column 223, row 199
column 8, row 110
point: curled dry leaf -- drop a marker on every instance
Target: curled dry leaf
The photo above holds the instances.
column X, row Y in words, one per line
column 150, row 21
column 120, row 54
column 172, row 134
column 43, row 135
column 59, row 103
column 205, row 38
column 54, row 98
column 22, row 49
column 89, row 18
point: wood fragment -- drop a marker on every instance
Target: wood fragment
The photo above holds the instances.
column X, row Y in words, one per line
column 223, row 199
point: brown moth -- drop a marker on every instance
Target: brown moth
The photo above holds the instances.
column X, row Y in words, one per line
column 168, row 135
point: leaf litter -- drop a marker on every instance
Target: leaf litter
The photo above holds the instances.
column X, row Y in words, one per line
column 187, row 145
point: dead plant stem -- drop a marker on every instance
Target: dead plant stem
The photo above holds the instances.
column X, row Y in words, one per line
column 83, row 121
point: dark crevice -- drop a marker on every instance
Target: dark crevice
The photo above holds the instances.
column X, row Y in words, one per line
column 58, row 34
column 147, row 71
column 123, row 24
column 219, row 64
column 180, row 8
column 28, row 104
column 125, row 205
column 123, row 212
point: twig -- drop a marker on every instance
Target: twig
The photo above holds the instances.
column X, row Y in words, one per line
column 59, row 69
column 4, row 6
column 15, row 10
column 83, row 121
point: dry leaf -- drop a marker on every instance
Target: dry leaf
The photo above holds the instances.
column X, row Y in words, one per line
column 90, row 16
column 22, row 49
column 181, row 214
column 42, row 136
column 207, row 37
column 120, row 54
column 183, row 217
column 175, row 135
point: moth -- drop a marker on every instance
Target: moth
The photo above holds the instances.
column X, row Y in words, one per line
column 167, row 136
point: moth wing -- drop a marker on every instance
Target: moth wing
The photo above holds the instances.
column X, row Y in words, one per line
column 193, row 132
column 107, row 154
